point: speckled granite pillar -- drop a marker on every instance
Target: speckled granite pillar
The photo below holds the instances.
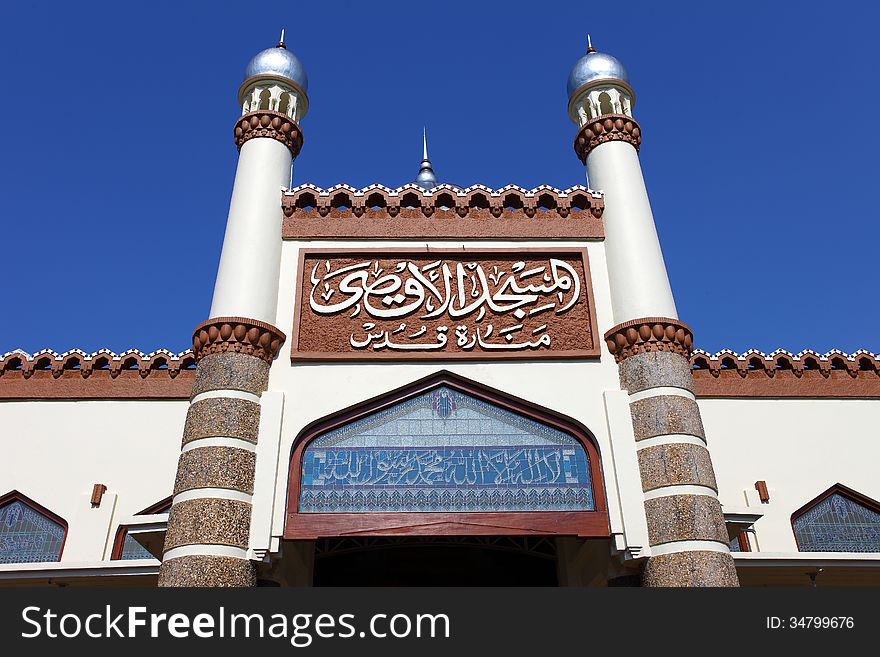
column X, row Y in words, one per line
column 208, row 526
column 685, row 523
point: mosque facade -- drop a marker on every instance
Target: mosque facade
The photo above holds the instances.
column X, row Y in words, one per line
column 431, row 385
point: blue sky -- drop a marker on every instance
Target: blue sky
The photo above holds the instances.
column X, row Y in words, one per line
column 759, row 150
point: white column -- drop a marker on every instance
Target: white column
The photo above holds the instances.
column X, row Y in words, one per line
column 637, row 273
column 247, row 279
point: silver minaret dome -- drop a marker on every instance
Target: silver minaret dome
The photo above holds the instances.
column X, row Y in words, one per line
column 278, row 61
column 595, row 66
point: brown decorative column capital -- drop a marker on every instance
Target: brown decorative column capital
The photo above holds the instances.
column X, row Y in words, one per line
column 648, row 335
column 274, row 125
column 609, row 127
column 237, row 334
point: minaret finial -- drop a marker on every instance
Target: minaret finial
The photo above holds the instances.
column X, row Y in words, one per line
column 281, row 40
column 426, row 178
column 590, row 47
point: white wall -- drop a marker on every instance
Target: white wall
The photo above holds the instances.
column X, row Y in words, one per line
column 55, row 451
column 800, row 447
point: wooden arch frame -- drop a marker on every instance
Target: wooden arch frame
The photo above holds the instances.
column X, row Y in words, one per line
column 310, row 526
column 15, row 495
column 844, row 491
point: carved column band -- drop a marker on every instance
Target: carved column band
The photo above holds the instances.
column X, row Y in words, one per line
column 208, row 527
column 273, row 125
column 653, row 360
column 238, row 335
column 650, row 334
column 609, row 127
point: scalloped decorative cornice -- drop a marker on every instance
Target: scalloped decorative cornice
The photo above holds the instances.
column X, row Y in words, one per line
column 781, row 360
column 76, row 360
column 446, row 211
column 163, row 374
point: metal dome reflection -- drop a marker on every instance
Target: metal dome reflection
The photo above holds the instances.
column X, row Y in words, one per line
column 278, row 61
column 595, row 66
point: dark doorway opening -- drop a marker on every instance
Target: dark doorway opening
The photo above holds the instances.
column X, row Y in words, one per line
column 436, row 561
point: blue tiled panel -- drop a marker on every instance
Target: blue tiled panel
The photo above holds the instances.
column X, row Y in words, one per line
column 837, row 524
column 27, row 536
column 445, row 451
column 131, row 549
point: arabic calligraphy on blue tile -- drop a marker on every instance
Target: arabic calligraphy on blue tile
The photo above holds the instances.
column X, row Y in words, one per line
column 445, row 451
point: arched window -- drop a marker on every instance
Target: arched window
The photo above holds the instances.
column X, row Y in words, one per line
column 445, row 456
column 29, row 532
column 284, row 104
column 265, row 98
column 126, row 547
column 605, row 103
column 839, row 520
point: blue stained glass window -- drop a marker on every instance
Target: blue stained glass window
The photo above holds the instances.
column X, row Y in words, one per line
column 445, row 451
column 27, row 535
column 838, row 524
column 131, row 549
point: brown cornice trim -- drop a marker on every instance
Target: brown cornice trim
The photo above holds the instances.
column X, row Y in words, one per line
column 608, row 127
column 649, row 334
column 100, row 375
column 807, row 375
column 128, row 385
column 133, row 375
column 445, row 212
column 810, row 386
column 237, row 334
column 84, row 364
column 273, row 125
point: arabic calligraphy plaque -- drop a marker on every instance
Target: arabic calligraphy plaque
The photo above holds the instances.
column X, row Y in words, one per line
column 407, row 304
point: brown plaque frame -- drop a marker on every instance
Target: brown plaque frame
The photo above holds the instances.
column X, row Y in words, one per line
column 311, row 526
column 581, row 252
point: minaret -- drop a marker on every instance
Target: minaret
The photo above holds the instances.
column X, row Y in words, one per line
column 207, row 539
column 689, row 542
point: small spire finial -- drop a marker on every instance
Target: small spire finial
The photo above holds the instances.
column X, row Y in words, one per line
column 281, row 40
column 590, row 47
column 426, row 178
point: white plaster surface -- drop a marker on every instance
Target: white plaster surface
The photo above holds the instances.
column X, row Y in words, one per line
column 800, row 447
column 55, row 451
column 639, row 283
column 247, row 279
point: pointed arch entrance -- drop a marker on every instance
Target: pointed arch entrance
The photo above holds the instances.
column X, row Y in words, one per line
column 445, row 456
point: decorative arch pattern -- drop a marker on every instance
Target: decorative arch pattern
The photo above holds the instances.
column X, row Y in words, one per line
column 29, row 532
column 445, row 456
column 838, row 520
column 308, row 201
